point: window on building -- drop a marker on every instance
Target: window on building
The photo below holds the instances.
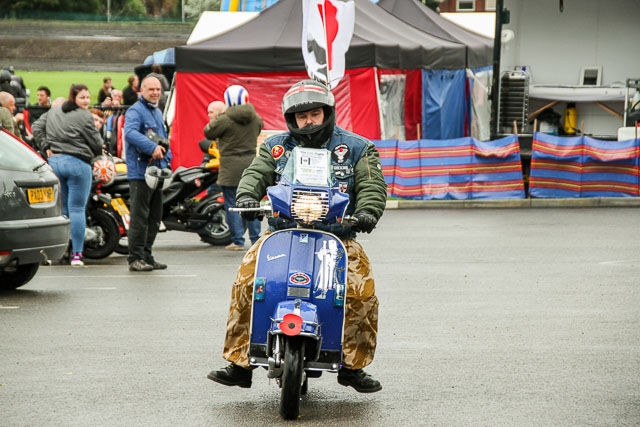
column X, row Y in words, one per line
column 466, row 5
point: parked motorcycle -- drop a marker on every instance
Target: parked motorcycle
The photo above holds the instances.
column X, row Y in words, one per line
column 188, row 203
column 300, row 280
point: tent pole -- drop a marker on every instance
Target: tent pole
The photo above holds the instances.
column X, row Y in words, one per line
column 495, row 86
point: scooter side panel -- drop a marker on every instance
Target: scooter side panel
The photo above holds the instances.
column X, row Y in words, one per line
column 306, row 264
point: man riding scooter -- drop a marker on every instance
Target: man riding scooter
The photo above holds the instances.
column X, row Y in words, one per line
column 309, row 111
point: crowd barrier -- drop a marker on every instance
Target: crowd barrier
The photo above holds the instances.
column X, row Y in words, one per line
column 455, row 169
column 575, row 167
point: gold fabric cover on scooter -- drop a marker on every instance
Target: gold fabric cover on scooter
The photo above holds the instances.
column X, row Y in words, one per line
column 361, row 310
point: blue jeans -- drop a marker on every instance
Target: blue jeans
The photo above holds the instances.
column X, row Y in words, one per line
column 235, row 221
column 75, row 185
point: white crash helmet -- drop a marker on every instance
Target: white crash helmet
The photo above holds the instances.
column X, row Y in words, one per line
column 156, row 177
column 236, row 95
column 104, row 170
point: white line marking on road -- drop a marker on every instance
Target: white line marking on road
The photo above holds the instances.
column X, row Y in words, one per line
column 8, row 307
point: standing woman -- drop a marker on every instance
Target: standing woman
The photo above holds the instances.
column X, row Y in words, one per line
column 72, row 141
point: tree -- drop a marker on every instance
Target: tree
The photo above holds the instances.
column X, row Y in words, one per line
column 194, row 8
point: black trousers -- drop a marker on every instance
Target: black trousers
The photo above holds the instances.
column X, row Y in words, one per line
column 146, row 214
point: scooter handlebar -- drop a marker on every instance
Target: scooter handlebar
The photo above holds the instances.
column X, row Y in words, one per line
column 260, row 209
column 350, row 220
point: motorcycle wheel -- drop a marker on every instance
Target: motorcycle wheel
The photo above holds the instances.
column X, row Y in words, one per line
column 216, row 232
column 122, row 247
column 108, row 227
column 292, row 378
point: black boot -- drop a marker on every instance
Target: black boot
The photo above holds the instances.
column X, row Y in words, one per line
column 358, row 379
column 232, row 375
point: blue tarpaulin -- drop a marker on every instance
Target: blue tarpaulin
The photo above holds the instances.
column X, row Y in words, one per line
column 162, row 57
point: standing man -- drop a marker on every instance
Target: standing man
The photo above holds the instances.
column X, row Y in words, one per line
column 42, row 106
column 142, row 151
column 213, row 110
column 7, row 106
column 237, row 131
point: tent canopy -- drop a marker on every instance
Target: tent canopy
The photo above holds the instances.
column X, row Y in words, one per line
column 273, row 42
column 416, row 14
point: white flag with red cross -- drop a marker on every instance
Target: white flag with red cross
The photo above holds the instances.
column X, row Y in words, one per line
column 327, row 28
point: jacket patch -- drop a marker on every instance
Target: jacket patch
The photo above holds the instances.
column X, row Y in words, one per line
column 342, row 171
column 340, row 153
column 277, row 151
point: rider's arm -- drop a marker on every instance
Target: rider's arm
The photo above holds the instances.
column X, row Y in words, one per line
column 370, row 186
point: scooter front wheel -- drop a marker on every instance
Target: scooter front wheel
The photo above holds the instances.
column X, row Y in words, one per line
column 292, row 378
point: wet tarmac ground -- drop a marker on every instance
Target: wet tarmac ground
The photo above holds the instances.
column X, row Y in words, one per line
column 488, row 317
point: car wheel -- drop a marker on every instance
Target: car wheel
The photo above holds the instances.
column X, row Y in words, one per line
column 14, row 277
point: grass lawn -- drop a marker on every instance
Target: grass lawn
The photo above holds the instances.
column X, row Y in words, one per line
column 59, row 82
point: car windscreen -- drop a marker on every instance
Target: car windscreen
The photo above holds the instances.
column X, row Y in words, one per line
column 15, row 155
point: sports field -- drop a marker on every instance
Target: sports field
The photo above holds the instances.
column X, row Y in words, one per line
column 59, row 82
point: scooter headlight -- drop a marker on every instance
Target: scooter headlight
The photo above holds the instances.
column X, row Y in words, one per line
column 309, row 206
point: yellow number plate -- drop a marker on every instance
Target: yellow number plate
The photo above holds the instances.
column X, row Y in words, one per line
column 40, row 195
column 119, row 205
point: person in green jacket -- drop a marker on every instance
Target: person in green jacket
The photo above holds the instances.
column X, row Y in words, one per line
column 309, row 111
column 236, row 130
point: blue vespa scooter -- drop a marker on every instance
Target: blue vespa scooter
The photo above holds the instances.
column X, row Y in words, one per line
column 300, row 280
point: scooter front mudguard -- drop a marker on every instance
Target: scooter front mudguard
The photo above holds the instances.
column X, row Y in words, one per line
column 305, row 265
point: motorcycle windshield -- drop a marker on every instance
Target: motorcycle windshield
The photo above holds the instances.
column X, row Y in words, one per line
column 309, row 166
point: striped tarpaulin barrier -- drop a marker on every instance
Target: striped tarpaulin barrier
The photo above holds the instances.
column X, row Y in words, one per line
column 575, row 167
column 462, row 168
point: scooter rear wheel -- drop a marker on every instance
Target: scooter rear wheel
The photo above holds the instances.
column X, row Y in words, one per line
column 292, row 378
column 216, row 232
column 107, row 226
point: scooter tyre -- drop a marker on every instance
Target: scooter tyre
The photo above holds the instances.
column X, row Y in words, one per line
column 292, row 379
column 122, row 247
column 109, row 226
column 216, row 232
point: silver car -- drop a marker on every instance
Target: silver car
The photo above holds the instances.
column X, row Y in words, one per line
column 32, row 227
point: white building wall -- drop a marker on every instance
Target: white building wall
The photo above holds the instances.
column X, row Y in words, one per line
column 555, row 46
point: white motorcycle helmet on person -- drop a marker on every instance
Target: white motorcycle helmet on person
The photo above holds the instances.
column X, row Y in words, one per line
column 158, row 177
column 236, row 95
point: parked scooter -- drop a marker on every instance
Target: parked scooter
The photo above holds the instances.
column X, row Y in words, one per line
column 104, row 223
column 300, row 280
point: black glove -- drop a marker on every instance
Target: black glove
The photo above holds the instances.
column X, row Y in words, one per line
column 247, row 202
column 366, row 221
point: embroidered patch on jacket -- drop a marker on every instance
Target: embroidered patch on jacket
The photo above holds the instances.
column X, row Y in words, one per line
column 277, row 151
column 340, row 153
